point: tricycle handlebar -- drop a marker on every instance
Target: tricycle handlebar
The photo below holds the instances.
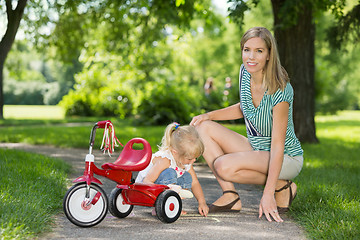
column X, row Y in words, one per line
column 102, row 124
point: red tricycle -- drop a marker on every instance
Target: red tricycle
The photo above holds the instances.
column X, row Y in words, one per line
column 86, row 203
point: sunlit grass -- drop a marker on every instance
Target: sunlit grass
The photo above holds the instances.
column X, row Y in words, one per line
column 328, row 202
column 33, row 112
column 341, row 127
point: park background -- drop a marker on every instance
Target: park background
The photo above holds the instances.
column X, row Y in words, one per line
column 144, row 64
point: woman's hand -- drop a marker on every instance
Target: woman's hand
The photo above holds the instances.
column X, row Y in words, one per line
column 203, row 209
column 268, row 208
column 199, row 118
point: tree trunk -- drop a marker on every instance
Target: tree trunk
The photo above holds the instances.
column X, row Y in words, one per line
column 14, row 18
column 296, row 49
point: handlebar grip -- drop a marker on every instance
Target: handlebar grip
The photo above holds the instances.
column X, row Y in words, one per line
column 102, row 124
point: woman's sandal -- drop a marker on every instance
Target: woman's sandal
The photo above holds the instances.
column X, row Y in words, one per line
column 226, row 208
column 291, row 197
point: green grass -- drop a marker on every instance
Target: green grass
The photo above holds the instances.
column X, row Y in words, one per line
column 328, row 202
column 68, row 132
column 31, row 192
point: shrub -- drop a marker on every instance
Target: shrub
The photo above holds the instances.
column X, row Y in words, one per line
column 76, row 104
column 23, row 93
column 114, row 102
column 164, row 102
column 96, row 95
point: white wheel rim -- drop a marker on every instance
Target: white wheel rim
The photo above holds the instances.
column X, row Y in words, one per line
column 121, row 207
column 172, row 207
column 81, row 214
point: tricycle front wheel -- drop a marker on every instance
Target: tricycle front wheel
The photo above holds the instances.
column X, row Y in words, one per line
column 118, row 207
column 85, row 212
column 168, row 206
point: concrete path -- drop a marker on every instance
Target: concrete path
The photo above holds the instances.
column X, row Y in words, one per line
column 140, row 224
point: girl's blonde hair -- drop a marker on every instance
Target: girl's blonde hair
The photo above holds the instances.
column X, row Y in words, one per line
column 184, row 139
column 275, row 76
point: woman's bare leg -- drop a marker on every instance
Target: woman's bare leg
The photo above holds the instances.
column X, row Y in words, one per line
column 236, row 162
column 218, row 141
column 250, row 168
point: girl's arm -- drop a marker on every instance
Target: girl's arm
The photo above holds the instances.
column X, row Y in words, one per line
column 198, row 193
column 229, row 113
column 159, row 165
column 280, row 121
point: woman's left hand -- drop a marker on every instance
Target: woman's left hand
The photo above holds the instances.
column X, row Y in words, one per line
column 268, row 207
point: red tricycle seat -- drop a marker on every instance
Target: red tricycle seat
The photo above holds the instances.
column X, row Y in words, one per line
column 132, row 159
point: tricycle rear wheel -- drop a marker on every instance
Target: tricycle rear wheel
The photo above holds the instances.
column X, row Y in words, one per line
column 118, row 207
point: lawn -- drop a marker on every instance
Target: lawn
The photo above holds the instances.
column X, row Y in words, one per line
column 328, row 203
column 31, row 192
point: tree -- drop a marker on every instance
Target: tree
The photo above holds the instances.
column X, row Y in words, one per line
column 300, row 64
column 70, row 22
column 294, row 30
column 14, row 17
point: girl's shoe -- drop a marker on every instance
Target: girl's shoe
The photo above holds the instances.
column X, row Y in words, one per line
column 291, row 197
column 185, row 194
column 175, row 188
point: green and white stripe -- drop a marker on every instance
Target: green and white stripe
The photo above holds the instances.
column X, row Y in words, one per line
column 259, row 120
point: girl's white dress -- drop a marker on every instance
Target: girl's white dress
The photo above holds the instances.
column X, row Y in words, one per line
column 163, row 154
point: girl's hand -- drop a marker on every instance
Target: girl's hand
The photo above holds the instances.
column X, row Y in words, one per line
column 199, row 118
column 203, row 209
column 268, row 208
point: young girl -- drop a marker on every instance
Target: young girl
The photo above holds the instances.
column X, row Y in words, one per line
column 172, row 164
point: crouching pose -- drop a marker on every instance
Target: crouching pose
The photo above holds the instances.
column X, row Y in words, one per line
column 271, row 154
column 172, row 164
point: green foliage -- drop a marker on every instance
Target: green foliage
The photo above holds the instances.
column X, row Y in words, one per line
column 337, row 73
column 238, row 9
column 346, row 29
column 177, row 59
column 33, row 79
column 165, row 102
column 100, row 92
column 31, row 191
column 76, row 104
column 16, row 92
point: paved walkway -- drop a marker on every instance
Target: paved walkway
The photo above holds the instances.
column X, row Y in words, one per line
column 140, row 224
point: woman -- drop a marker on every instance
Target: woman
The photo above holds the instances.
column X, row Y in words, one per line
column 271, row 154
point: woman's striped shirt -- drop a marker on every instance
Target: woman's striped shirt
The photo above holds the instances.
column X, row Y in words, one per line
column 259, row 120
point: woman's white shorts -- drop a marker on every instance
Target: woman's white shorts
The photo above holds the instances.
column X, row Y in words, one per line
column 291, row 167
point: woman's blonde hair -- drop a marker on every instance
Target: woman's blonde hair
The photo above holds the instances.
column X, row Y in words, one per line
column 184, row 139
column 275, row 76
